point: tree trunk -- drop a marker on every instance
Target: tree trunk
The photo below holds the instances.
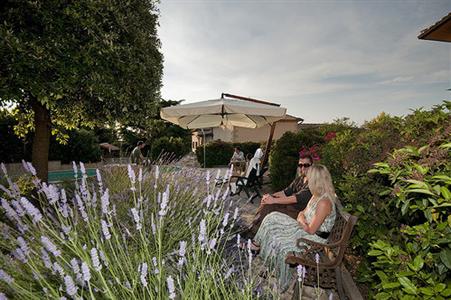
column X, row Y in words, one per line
column 41, row 140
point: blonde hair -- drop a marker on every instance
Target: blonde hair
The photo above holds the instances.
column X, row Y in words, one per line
column 320, row 182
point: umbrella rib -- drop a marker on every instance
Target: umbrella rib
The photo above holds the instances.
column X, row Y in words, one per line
column 187, row 124
column 248, row 116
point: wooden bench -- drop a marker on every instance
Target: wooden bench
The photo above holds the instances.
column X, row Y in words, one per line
column 331, row 256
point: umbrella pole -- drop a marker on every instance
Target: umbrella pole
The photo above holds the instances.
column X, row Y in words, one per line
column 268, row 144
column 203, row 139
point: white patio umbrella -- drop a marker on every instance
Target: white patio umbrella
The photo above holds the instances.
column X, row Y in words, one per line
column 217, row 112
column 248, row 113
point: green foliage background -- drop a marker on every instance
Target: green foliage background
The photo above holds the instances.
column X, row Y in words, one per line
column 393, row 173
column 218, row 153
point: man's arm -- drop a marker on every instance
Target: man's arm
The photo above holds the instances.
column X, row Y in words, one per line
column 273, row 199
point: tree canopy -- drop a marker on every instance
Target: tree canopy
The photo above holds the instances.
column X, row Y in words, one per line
column 71, row 63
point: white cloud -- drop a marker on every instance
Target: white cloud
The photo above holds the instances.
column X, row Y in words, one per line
column 330, row 56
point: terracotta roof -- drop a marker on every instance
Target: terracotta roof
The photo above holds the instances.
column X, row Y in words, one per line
column 440, row 31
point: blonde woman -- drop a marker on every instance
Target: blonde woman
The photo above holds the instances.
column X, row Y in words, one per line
column 278, row 233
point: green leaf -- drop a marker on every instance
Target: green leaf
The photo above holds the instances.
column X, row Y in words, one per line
column 439, row 287
column 417, row 263
column 382, row 296
column 447, row 145
column 427, row 291
column 420, row 191
column 445, row 257
column 382, row 275
column 390, row 285
column 375, row 252
column 408, row 286
column 445, row 192
column 446, row 292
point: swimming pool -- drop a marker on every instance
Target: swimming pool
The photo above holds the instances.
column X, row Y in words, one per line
column 68, row 175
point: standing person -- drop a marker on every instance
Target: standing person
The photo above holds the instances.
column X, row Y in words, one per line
column 289, row 201
column 136, row 157
column 279, row 233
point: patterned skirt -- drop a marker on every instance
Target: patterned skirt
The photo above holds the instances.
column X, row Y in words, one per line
column 277, row 237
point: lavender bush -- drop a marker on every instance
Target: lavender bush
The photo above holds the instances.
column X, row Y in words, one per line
column 127, row 234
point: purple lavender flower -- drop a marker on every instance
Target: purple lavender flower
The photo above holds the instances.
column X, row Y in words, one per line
column 155, row 264
column 317, row 258
column 171, row 287
column 103, row 258
column 157, row 174
column 23, row 246
column 182, row 249
column 75, row 266
column 226, row 193
column 51, row 193
column 3, row 167
column 81, row 208
column 71, row 289
column 132, row 176
column 99, row 179
column 229, row 272
column 136, row 218
column 154, row 228
column 19, row 209
column 300, row 271
column 46, row 259
column 6, row 277
column 31, row 210
column 25, row 166
column 58, row 269
column 238, row 239
column 82, row 169
column 3, row 297
column 49, row 246
column 10, row 212
column 32, row 169
column 20, row 256
column 140, row 175
column 106, row 232
column 74, row 167
column 331, row 296
column 202, row 231
column 164, row 203
column 105, row 200
column 225, row 220
column 95, row 260
column 85, row 271
column 7, row 191
column 211, row 245
column 143, row 274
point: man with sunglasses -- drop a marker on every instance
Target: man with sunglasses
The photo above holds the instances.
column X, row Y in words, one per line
column 289, row 201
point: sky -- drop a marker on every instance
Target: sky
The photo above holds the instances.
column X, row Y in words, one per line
column 322, row 60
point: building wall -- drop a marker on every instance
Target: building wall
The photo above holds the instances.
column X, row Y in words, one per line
column 261, row 134
column 241, row 134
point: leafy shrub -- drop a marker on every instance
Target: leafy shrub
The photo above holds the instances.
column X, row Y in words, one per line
column 285, row 154
column 175, row 146
column 415, row 260
column 82, row 145
column 218, row 153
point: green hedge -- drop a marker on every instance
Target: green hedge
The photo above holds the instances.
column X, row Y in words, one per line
column 285, row 154
column 175, row 146
column 218, row 153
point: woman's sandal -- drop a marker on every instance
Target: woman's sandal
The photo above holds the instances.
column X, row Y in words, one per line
column 254, row 248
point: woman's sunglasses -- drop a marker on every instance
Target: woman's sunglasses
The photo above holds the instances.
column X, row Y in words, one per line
column 304, row 165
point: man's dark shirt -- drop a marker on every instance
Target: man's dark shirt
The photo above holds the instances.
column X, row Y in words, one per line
column 300, row 190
